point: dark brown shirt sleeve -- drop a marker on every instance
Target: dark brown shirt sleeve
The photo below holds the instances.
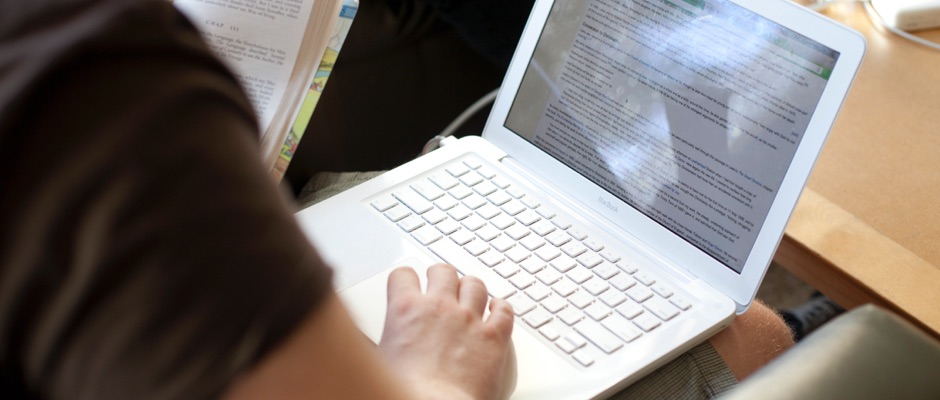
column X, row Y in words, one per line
column 144, row 251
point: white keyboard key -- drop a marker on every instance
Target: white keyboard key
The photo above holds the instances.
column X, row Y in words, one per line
column 565, row 346
column 583, row 357
column 592, row 244
column 625, row 330
column 504, row 269
column 543, row 228
column 503, row 243
column 610, row 256
column 558, row 239
column 503, row 221
column 563, row 263
column 446, row 203
column 554, row 303
column 550, row 332
column 597, row 310
column 487, row 233
column 595, row 286
column 644, row 278
column 561, row 223
column 577, row 340
column 639, row 293
column 577, row 233
column 513, row 207
column 457, row 169
column 411, row 223
column 531, row 242
column 622, row 282
column 536, row 291
column 515, row 192
column 517, row 254
column 661, row 308
column 499, row 198
column 563, row 286
column 570, row 315
column 486, row 172
column 579, row 274
column 474, row 201
column 547, row 253
column 647, row 321
column 521, row 304
column 427, row 190
column 444, row 182
column 453, row 254
column 488, row 211
column 680, row 302
column 477, row 247
column 492, row 258
column 581, row 299
column 537, row 318
column 517, row 232
column 434, row 216
column 500, row 182
column 573, row 249
column 522, row 281
column 413, row 201
column 384, row 203
column 473, row 222
column 601, row 337
column 548, row 276
column 459, row 213
column 462, row 236
column 447, row 226
column 629, row 309
column 532, row 265
column 485, row 188
column 473, row 163
column 528, row 217
column 470, row 179
column 590, row 260
column 546, row 212
column 460, row 192
column 426, row 235
column 626, row 267
column 397, row 213
column 662, row 290
column 606, row 270
column 531, row 202
column 613, row 298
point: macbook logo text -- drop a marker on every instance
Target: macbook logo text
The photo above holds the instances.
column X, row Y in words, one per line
column 608, row 204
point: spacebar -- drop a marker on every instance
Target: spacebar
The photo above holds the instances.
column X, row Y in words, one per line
column 467, row 264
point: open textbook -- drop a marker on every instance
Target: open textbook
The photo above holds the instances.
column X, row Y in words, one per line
column 282, row 51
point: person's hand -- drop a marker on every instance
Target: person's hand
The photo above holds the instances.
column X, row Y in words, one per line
column 439, row 342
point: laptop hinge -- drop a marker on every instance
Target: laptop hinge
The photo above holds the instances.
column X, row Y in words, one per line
column 668, row 264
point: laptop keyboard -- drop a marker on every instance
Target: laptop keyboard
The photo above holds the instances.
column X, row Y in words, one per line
column 562, row 282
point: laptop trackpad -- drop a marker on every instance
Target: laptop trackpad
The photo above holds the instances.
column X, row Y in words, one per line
column 366, row 300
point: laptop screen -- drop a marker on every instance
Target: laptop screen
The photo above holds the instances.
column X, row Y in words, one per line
column 690, row 111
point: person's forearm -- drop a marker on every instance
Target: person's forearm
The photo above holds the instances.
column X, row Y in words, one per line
column 327, row 357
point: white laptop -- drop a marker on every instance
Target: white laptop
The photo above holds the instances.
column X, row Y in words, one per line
column 629, row 190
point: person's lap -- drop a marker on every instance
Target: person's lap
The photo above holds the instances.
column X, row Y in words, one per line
column 699, row 373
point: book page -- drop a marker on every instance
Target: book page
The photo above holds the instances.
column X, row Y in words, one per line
column 258, row 39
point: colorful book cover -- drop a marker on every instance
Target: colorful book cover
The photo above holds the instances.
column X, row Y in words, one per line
column 346, row 15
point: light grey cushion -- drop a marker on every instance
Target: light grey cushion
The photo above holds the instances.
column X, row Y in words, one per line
column 867, row 353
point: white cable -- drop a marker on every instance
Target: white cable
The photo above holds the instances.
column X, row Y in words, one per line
column 435, row 142
column 875, row 17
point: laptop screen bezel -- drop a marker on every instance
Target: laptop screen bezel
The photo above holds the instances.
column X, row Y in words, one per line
column 740, row 287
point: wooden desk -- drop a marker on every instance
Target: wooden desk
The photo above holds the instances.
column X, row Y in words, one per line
column 867, row 228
